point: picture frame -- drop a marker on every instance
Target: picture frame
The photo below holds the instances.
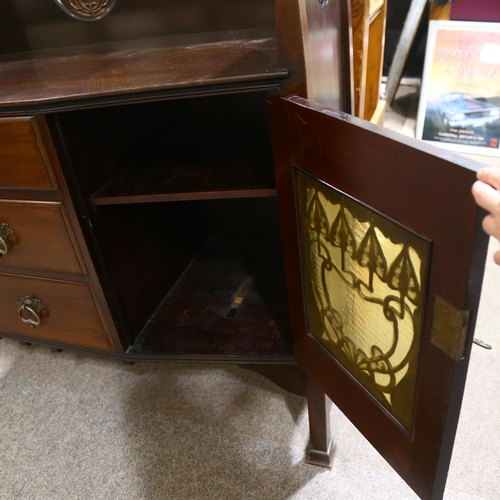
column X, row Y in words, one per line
column 459, row 107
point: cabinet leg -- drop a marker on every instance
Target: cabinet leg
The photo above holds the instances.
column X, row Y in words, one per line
column 22, row 342
column 56, row 349
column 126, row 362
column 319, row 406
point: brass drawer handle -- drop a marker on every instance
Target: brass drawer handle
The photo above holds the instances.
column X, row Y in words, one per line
column 5, row 233
column 33, row 307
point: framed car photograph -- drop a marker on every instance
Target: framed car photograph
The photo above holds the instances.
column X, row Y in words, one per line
column 459, row 105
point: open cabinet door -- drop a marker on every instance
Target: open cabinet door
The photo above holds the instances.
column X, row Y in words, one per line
column 384, row 256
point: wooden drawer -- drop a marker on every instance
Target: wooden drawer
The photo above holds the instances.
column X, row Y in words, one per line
column 23, row 162
column 71, row 315
column 42, row 238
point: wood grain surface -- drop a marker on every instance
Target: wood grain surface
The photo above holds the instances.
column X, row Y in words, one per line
column 162, row 64
column 21, row 162
column 42, row 237
column 71, row 316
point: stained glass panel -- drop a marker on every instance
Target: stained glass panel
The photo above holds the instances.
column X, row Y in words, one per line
column 365, row 283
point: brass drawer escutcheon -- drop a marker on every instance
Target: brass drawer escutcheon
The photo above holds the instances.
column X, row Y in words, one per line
column 5, row 232
column 33, row 307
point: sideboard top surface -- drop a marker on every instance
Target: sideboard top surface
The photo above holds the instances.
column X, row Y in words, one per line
column 151, row 68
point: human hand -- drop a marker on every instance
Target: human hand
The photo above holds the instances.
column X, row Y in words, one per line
column 485, row 192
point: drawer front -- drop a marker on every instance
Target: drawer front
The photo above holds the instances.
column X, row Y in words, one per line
column 37, row 235
column 22, row 162
column 71, row 314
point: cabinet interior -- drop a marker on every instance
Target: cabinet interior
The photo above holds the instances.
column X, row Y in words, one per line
column 179, row 201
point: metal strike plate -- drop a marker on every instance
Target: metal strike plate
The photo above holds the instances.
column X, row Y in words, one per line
column 449, row 328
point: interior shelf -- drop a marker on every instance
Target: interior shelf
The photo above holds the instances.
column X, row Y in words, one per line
column 54, row 78
column 231, row 166
column 230, row 301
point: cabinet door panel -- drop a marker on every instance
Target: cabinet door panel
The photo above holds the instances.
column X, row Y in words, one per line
column 384, row 255
column 22, row 164
column 42, row 238
column 70, row 314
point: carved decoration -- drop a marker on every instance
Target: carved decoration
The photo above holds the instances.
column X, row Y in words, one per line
column 86, row 10
column 365, row 282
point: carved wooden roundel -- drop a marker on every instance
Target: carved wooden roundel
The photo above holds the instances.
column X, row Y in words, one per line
column 86, row 10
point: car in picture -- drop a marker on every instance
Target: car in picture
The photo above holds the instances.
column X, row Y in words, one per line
column 459, row 110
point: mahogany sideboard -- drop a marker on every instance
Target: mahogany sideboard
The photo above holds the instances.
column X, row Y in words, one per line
column 152, row 155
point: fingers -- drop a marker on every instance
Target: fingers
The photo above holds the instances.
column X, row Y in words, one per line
column 486, row 196
column 490, row 175
column 490, row 225
column 496, row 257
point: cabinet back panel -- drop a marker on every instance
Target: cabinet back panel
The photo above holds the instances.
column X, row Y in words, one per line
column 251, row 218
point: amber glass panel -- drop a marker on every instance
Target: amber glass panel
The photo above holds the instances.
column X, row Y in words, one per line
column 365, row 282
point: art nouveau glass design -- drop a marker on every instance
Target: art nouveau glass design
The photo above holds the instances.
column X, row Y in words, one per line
column 365, row 285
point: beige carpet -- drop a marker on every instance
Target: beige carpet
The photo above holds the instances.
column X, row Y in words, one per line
column 76, row 426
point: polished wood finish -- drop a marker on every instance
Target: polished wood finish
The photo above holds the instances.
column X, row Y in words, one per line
column 398, row 186
column 22, row 165
column 202, row 63
column 43, row 238
column 71, row 317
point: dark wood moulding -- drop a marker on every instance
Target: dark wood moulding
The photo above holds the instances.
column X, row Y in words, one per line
column 89, row 75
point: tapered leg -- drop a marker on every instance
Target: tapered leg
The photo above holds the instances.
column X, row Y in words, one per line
column 319, row 406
